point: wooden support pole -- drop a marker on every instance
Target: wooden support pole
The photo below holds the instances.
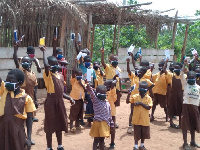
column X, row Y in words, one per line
column 174, row 31
column 118, row 39
column 157, row 33
column 63, row 31
column 115, row 30
column 89, row 30
column 185, row 42
column 93, row 32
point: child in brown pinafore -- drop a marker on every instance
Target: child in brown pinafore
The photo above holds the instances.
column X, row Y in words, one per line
column 176, row 96
column 15, row 107
column 54, row 107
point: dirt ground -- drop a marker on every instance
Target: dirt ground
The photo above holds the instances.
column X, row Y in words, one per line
column 162, row 136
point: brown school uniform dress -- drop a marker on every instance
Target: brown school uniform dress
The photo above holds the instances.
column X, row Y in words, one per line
column 198, row 82
column 12, row 134
column 30, row 81
column 54, row 107
column 176, row 97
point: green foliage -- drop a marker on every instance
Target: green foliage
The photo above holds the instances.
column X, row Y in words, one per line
column 137, row 36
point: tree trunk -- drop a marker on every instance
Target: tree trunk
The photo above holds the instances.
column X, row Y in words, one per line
column 184, row 43
column 174, row 30
column 93, row 31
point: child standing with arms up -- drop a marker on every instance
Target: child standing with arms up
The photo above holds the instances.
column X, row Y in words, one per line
column 190, row 113
column 55, row 112
column 142, row 104
column 103, row 123
column 111, row 70
column 15, row 107
column 160, row 89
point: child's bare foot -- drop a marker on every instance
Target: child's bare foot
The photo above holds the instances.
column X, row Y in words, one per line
column 73, row 130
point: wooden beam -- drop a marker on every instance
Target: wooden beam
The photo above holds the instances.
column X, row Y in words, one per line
column 119, row 23
column 63, row 30
column 89, row 30
column 184, row 43
column 156, row 42
column 135, row 5
column 115, row 30
column 86, row 1
column 93, row 32
column 174, row 31
column 167, row 10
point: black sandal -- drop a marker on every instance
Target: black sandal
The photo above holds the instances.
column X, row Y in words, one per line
column 193, row 144
column 174, row 126
column 186, row 147
column 152, row 118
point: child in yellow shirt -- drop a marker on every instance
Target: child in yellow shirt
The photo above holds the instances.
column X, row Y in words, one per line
column 135, row 79
column 142, row 104
column 112, row 70
column 16, row 107
column 112, row 97
column 78, row 94
column 99, row 74
column 160, row 89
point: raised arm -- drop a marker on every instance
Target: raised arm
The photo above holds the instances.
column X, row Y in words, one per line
column 102, row 58
column 91, row 92
column 46, row 65
column 37, row 65
column 74, row 69
column 128, row 67
column 133, row 60
column 165, row 66
column 54, row 43
column 15, row 57
column 195, row 62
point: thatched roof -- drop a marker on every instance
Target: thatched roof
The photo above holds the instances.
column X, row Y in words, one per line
column 35, row 19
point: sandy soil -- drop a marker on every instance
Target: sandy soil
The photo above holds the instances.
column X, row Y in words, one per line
column 162, row 136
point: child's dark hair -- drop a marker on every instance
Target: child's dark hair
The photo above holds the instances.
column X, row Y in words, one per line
column 18, row 74
column 51, row 59
column 96, row 62
column 143, row 69
column 162, row 62
column 101, row 88
column 58, row 50
column 87, row 58
column 78, row 71
column 30, row 49
column 191, row 74
column 179, row 64
column 111, row 56
column 144, row 63
column 144, row 83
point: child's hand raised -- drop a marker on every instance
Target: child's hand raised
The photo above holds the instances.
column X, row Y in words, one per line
column 102, row 50
column 16, row 43
column 43, row 48
column 0, row 81
column 128, row 59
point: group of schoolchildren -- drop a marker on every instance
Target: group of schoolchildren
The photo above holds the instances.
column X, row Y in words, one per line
column 172, row 89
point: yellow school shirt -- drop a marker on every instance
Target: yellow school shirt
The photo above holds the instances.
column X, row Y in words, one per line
column 112, row 97
column 148, row 74
column 110, row 72
column 140, row 114
column 29, row 105
column 99, row 80
column 77, row 91
column 160, row 82
column 135, row 80
column 49, row 81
